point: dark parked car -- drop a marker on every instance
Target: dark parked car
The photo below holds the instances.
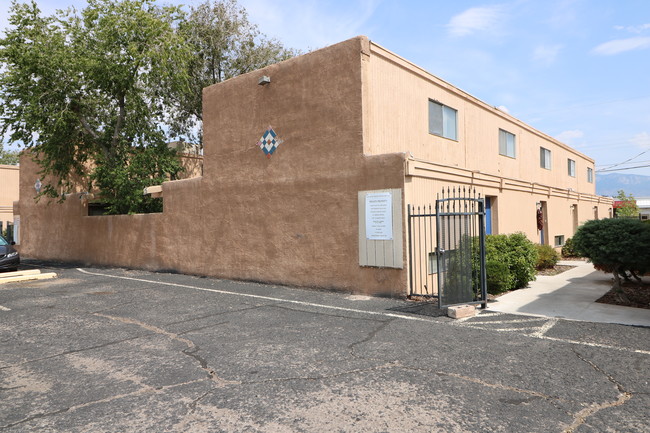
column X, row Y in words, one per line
column 9, row 257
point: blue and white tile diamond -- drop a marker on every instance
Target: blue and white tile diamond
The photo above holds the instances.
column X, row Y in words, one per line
column 269, row 142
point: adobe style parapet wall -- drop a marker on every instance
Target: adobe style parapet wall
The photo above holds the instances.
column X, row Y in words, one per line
column 287, row 217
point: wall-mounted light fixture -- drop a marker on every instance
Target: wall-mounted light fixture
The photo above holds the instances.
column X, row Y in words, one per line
column 38, row 185
column 264, row 80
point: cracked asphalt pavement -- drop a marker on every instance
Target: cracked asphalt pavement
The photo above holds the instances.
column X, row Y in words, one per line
column 117, row 350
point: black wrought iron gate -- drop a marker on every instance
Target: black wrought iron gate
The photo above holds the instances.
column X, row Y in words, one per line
column 447, row 249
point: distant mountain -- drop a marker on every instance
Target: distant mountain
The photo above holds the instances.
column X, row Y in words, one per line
column 635, row 184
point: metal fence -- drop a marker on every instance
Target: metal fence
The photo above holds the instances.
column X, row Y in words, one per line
column 447, row 248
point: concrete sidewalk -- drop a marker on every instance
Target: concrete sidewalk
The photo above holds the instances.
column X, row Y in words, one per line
column 571, row 295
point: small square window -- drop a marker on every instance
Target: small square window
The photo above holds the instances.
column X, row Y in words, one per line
column 559, row 241
column 572, row 168
column 544, row 158
column 442, row 120
column 445, row 258
column 507, row 144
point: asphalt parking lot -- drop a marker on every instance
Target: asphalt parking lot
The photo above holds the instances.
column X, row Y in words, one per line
column 117, row 350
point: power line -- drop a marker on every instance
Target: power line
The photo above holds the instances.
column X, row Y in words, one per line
column 607, row 166
column 621, row 169
column 627, row 160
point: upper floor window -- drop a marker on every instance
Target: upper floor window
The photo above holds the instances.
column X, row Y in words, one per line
column 507, row 144
column 442, row 120
column 590, row 175
column 572, row 168
column 544, row 158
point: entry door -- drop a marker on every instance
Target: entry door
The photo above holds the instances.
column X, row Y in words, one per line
column 488, row 215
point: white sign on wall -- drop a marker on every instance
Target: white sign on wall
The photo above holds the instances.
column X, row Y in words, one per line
column 379, row 216
column 17, row 229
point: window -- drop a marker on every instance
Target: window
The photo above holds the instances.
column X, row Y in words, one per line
column 559, row 241
column 545, row 158
column 507, row 145
column 572, row 168
column 442, row 120
column 590, row 175
column 445, row 258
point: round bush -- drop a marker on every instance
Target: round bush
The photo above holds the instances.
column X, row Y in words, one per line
column 568, row 249
column 619, row 245
column 547, row 257
column 517, row 253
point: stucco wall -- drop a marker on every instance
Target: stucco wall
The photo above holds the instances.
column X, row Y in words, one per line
column 290, row 218
column 8, row 192
column 514, row 202
column 397, row 120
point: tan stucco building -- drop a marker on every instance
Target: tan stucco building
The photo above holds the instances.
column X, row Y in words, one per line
column 348, row 119
column 9, row 175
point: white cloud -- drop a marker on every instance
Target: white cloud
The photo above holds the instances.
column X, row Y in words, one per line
column 634, row 29
column 486, row 18
column 570, row 137
column 641, row 140
column 503, row 108
column 618, row 46
column 546, row 54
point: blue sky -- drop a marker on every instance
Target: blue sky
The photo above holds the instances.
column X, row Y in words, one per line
column 578, row 70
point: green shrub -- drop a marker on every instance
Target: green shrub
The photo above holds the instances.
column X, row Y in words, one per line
column 547, row 257
column 499, row 277
column 517, row 254
column 616, row 245
column 523, row 257
column 568, row 249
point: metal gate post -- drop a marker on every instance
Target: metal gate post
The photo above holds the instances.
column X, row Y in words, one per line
column 439, row 251
column 410, row 252
column 483, row 277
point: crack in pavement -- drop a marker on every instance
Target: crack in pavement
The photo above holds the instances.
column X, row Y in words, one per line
column 145, row 390
column 285, row 306
column 372, row 334
column 71, row 352
column 581, row 417
column 191, row 350
column 191, row 319
column 183, row 423
column 535, row 395
column 388, row 365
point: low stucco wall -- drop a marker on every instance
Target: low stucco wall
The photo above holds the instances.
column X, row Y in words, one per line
column 290, row 218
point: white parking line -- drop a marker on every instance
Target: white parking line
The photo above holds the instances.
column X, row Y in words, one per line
column 537, row 335
column 266, row 298
column 4, row 308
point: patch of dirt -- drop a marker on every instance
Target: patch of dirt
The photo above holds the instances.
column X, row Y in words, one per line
column 631, row 294
column 573, row 259
column 557, row 269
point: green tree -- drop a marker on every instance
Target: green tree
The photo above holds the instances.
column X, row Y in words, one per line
column 87, row 91
column 628, row 207
column 8, row 157
column 619, row 246
column 224, row 44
